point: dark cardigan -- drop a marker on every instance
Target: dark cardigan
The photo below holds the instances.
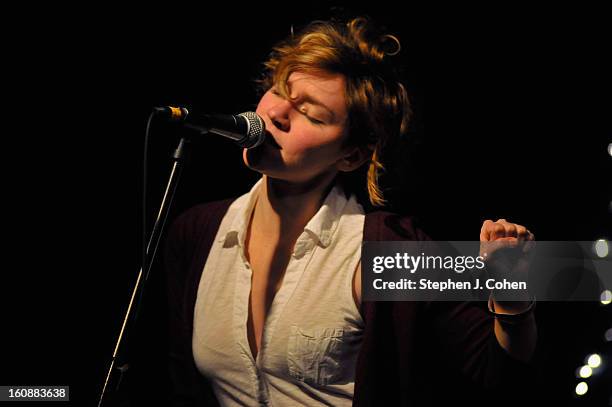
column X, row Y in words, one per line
column 392, row 357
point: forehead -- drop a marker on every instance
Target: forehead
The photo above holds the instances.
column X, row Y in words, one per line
column 326, row 89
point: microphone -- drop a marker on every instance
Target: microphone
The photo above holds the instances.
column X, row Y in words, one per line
column 246, row 129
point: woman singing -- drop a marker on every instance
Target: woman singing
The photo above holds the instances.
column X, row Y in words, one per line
column 265, row 289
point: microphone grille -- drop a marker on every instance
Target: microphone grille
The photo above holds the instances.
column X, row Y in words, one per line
column 257, row 128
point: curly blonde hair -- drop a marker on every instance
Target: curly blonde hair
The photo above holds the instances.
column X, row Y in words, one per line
column 377, row 102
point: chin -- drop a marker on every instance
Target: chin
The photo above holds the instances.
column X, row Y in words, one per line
column 259, row 160
column 251, row 158
column 263, row 161
column 245, row 158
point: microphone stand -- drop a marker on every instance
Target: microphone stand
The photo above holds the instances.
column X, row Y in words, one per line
column 119, row 365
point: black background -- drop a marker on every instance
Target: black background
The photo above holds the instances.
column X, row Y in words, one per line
column 518, row 124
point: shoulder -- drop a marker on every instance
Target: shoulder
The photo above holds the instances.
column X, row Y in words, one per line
column 386, row 225
column 199, row 219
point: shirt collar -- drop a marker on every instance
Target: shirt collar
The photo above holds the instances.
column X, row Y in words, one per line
column 236, row 233
column 320, row 228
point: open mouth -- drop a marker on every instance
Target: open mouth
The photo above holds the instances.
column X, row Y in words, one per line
column 272, row 141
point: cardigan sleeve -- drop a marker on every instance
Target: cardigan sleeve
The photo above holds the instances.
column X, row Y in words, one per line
column 185, row 252
column 464, row 334
column 399, row 334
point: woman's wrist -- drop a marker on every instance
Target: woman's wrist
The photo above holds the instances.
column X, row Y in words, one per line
column 511, row 312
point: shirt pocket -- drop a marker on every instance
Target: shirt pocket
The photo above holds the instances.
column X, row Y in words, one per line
column 322, row 356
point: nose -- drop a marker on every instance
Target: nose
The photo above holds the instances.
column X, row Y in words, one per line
column 279, row 115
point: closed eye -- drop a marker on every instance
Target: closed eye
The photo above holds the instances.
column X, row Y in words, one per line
column 310, row 118
column 314, row 121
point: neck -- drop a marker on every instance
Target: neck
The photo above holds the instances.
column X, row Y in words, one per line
column 284, row 208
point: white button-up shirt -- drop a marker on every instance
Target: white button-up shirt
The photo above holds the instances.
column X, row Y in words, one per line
column 313, row 329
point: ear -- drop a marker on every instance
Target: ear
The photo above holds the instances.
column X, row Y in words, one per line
column 354, row 158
